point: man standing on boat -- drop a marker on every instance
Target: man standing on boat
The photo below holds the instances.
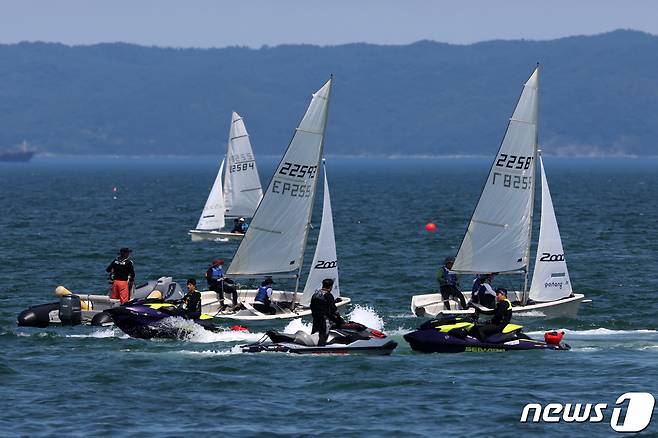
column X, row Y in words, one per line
column 122, row 272
column 449, row 284
column 324, row 311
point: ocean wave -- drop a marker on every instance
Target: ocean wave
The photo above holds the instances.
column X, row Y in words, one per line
column 599, row 332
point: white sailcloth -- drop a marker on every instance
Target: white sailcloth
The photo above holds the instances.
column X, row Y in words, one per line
column 212, row 216
column 276, row 238
column 242, row 190
column 550, row 280
column 499, row 231
column 325, row 261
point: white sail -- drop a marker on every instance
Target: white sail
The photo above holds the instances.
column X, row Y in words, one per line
column 498, row 235
column 212, row 216
column 242, row 190
column 325, row 261
column 550, row 280
column 276, row 238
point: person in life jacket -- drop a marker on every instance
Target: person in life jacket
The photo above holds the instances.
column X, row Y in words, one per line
column 449, row 284
column 122, row 273
column 502, row 315
column 239, row 226
column 485, row 293
column 191, row 301
column 324, row 311
column 220, row 284
column 263, row 300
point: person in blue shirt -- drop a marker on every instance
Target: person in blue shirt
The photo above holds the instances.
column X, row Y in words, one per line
column 263, row 300
column 449, row 284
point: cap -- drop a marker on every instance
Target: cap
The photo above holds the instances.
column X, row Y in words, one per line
column 241, row 219
column 217, row 262
column 501, row 290
column 125, row 250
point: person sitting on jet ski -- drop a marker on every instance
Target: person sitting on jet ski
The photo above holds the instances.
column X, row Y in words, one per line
column 502, row 314
column 324, row 311
column 191, row 301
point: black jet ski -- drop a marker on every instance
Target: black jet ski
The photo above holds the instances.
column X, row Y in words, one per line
column 350, row 338
column 459, row 334
column 152, row 318
column 75, row 309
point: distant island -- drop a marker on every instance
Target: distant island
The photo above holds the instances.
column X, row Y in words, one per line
column 599, row 96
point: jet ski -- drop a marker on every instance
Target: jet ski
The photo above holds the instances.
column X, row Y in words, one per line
column 155, row 318
column 75, row 309
column 350, row 338
column 452, row 334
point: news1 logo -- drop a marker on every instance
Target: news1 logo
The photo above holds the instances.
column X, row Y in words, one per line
column 632, row 412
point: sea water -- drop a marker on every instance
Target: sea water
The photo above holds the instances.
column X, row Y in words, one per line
column 61, row 224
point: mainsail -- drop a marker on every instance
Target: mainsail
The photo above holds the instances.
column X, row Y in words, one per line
column 276, row 238
column 325, row 262
column 212, row 216
column 550, row 280
column 242, row 190
column 498, row 235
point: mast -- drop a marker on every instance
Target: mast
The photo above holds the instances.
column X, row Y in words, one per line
column 310, row 211
column 524, row 299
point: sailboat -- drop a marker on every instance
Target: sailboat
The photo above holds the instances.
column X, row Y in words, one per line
column 236, row 191
column 499, row 234
column 276, row 240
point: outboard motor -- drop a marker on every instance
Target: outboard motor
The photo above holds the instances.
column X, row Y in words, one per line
column 70, row 312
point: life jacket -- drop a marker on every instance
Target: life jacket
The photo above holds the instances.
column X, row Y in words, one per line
column 216, row 273
column 262, row 296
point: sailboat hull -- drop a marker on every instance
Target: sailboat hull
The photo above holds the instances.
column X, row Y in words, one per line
column 215, row 236
column 431, row 305
column 286, row 304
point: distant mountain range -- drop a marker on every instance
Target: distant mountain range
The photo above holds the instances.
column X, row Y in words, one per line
column 599, row 96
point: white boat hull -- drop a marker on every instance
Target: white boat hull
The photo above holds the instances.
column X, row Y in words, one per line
column 215, row 236
column 210, row 305
column 431, row 305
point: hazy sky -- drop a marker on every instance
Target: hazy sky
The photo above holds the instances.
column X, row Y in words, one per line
column 218, row 23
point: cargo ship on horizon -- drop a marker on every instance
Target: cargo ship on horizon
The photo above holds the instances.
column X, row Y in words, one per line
column 20, row 156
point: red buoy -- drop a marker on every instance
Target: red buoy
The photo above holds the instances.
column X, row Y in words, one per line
column 430, row 227
column 553, row 338
column 239, row 328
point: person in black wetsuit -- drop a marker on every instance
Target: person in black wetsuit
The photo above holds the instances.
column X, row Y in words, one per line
column 324, row 311
column 502, row 315
column 191, row 301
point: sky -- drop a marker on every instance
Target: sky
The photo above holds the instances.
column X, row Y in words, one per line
column 219, row 23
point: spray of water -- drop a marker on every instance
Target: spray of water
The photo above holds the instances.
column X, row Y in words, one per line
column 367, row 316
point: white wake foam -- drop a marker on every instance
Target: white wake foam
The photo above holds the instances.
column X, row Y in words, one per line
column 600, row 332
column 196, row 333
column 296, row 325
column 530, row 314
column 102, row 333
column 234, row 350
